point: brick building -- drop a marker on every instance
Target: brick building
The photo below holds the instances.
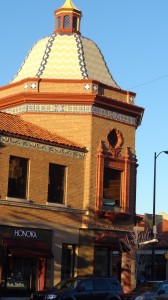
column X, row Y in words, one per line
column 68, row 164
column 155, row 261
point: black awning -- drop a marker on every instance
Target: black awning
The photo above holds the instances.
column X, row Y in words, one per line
column 26, row 248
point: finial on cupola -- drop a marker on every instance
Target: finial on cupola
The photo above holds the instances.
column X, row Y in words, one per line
column 68, row 19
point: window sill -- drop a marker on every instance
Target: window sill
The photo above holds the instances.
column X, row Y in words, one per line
column 18, row 200
column 56, row 204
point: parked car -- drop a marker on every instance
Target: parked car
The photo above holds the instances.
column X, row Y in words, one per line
column 90, row 287
column 144, row 289
column 160, row 289
column 163, row 296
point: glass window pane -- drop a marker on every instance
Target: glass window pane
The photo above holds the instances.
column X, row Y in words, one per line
column 101, row 260
column 101, row 284
column 111, row 189
column 67, row 22
column 17, row 181
column 68, row 261
column 87, row 284
column 59, row 23
column 56, row 183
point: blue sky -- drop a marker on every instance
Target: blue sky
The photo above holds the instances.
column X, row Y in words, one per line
column 132, row 35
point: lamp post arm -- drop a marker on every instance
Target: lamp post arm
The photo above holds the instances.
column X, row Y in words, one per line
column 166, row 152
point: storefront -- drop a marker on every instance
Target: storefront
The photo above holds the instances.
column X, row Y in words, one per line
column 25, row 260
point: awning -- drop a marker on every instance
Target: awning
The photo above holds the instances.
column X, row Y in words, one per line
column 26, row 248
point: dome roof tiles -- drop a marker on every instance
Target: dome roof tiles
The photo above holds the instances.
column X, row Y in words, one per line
column 96, row 65
column 32, row 62
column 66, row 57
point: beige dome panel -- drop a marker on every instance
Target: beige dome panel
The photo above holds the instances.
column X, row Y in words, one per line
column 63, row 62
column 65, row 57
column 32, row 62
column 95, row 64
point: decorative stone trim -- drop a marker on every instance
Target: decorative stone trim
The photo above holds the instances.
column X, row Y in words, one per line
column 72, row 109
column 41, row 147
column 46, row 55
column 81, row 56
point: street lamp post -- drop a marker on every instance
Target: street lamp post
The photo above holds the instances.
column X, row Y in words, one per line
column 154, row 229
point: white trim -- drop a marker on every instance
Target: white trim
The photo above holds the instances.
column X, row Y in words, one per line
column 18, row 200
column 56, row 204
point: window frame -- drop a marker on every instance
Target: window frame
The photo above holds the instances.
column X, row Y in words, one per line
column 68, row 266
column 109, row 200
column 122, row 164
column 67, row 21
column 18, row 185
column 53, row 186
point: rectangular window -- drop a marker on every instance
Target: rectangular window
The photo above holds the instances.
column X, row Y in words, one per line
column 107, row 262
column 111, row 189
column 101, row 261
column 68, row 261
column 56, row 183
column 17, row 275
column 18, row 174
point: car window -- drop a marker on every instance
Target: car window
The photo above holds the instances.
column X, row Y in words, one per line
column 100, row 284
column 87, row 284
column 71, row 283
column 115, row 284
column 165, row 287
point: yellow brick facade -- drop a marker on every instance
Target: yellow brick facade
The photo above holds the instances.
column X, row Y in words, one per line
column 38, row 175
column 64, row 87
column 87, row 131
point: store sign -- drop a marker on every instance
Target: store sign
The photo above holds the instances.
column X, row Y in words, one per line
column 31, row 234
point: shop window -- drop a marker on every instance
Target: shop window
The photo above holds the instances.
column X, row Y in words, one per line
column 68, row 261
column 75, row 23
column 160, row 266
column 56, row 183
column 107, row 262
column 18, row 174
column 67, row 22
column 101, row 261
column 111, row 189
column 18, row 276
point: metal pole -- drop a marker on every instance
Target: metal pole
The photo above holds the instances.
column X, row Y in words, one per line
column 154, row 228
column 154, row 196
column 154, row 219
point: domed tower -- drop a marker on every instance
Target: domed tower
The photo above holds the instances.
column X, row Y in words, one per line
column 65, row 86
column 67, row 19
column 66, row 55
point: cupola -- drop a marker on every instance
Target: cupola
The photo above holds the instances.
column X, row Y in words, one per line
column 67, row 19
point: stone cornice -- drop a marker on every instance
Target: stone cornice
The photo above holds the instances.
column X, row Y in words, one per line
column 41, row 147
